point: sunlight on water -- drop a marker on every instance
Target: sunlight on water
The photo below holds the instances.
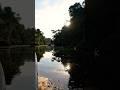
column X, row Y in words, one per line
column 67, row 68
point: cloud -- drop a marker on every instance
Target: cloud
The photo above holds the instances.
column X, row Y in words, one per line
column 52, row 16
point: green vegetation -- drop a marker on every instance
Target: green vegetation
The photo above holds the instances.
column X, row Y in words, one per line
column 12, row 32
column 40, row 50
column 39, row 38
column 48, row 41
column 71, row 37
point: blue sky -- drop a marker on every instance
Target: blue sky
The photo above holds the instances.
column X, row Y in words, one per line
column 39, row 3
column 52, row 14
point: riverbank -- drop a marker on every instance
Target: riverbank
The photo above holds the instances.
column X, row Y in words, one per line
column 65, row 52
column 12, row 46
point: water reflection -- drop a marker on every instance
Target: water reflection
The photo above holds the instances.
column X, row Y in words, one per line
column 64, row 72
column 73, row 73
column 84, row 73
column 67, row 67
column 39, row 52
column 18, row 66
column 74, row 70
column 52, row 70
column 2, row 78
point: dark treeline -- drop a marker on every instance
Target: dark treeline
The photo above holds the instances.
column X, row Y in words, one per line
column 12, row 32
column 70, row 36
column 93, row 38
column 39, row 50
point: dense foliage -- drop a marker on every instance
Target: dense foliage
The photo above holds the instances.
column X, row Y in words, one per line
column 93, row 37
column 39, row 38
column 72, row 35
column 12, row 32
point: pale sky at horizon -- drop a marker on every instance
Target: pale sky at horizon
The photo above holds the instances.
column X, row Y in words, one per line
column 52, row 14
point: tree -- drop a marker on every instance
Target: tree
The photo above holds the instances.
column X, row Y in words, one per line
column 39, row 38
column 12, row 32
column 72, row 36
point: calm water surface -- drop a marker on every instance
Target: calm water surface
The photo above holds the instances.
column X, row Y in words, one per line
column 53, row 70
column 18, row 66
column 63, row 73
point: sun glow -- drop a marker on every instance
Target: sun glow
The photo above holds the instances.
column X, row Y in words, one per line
column 52, row 14
column 67, row 23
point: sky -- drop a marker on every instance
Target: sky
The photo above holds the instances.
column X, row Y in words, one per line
column 52, row 14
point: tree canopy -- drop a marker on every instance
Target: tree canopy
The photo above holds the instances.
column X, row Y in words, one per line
column 93, row 37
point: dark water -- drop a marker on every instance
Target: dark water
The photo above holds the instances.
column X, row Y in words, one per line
column 18, row 68
column 19, row 65
column 72, row 73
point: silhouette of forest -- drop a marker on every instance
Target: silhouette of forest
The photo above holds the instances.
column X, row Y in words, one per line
column 93, row 39
column 12, row 32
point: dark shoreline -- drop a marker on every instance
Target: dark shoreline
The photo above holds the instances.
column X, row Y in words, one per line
column 11, row 46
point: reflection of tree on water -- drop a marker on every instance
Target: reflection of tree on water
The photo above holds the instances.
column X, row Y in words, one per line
column 86, row 74
column 40, row 50
column 12, row 59
column 2, row 78
column 74, row 70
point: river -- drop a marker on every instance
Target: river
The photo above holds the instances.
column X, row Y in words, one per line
column 17, row 68
column 56, row 73
column 53, row 70
column 29, row 68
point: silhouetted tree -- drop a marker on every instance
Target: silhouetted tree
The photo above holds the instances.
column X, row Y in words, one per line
column 94, row 36
column 12, row 32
